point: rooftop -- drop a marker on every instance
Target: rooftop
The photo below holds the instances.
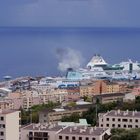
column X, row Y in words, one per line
column 4, row 112
column 67, row 108
column 120, row 113
column 83, row 130
column 43, row 127
column 73, row 130
column 110, row 95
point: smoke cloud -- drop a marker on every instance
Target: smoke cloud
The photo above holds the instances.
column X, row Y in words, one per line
column 68, row 58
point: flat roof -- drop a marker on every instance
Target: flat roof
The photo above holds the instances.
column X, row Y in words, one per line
column 81, row 130
column 71, row 130
column 66, row 108
column 111, row 95
column 4, row 112
column 118, row 113
column 43, row 127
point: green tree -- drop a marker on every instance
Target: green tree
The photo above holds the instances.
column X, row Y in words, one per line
column 73, row 118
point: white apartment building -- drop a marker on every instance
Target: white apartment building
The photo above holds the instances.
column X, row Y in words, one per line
column 119, row 119
column 56, row 132
column 9, row 125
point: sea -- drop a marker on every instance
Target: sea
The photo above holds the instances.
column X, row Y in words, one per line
column 32, row 51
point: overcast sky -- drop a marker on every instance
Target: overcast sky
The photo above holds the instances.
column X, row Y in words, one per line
column 102, row 13
column 31, row 51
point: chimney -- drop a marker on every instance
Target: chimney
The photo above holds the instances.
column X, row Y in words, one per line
column 70, row 130
column 95, row 128
column 75, row 128
column 127, row 111
column 119, row 111
column 81, row 130
column 91, row 131
column 133, row 113
column 33, row 126
column 124, row 113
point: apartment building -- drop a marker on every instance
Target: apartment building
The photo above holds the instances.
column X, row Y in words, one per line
column 54, row 97
column 83, row 133
column 112, row 88
column 9, row 125
column 27, row 99
column 40, row 132
column 107, row 98
column 119, row 119
column 56, row 115
column 101, row 87
column 56, row 132
column 92, row 88
column 6, row 105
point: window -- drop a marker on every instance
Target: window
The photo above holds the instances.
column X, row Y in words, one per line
column 119, row 120
column 113, row 119
column 130, row 120
column 124, row 126
column 124, row 120
column 136, row 120
column 2, row 125
column 93, row 138
column 73, row 138
column 107, row 125
column 30, row 134
column 107, row 119
column 80, row 138
column 67, row 137
column 45, row 134
column 60, row 137
column 113, row 125
column 2, row 133
column 119, row 125
column 101, row 125
column 129, row 126
column 136, row 126
column 87, row 138
column 1, row 118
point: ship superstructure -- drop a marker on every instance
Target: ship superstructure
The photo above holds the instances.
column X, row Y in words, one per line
column 99, row 68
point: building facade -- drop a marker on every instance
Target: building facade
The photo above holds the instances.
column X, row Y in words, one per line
column 119, row 119
column 57, row 114
column 101, row 87
column 56, row 132
column 9, row 125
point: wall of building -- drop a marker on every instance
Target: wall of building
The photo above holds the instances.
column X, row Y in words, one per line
column 12, row 126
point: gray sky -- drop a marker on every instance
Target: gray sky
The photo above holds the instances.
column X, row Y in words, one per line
column 31, row 51
column 102, row 13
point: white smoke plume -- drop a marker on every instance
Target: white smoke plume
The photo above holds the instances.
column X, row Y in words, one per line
column 68, row 58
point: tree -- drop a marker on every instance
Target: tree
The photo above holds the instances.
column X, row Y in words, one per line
column 73, row 118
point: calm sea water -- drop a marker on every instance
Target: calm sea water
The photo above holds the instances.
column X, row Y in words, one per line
column 32, row 51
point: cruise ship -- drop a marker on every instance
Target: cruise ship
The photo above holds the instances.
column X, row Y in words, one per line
column 98, row 68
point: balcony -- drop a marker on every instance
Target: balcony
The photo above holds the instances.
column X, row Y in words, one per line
column 38, row 135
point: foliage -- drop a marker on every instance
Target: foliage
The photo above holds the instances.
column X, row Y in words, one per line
column 32, row 115
column 72, row 104
column 49, row 105
column 123, row 134
column 87, row 99
column 73, row 118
